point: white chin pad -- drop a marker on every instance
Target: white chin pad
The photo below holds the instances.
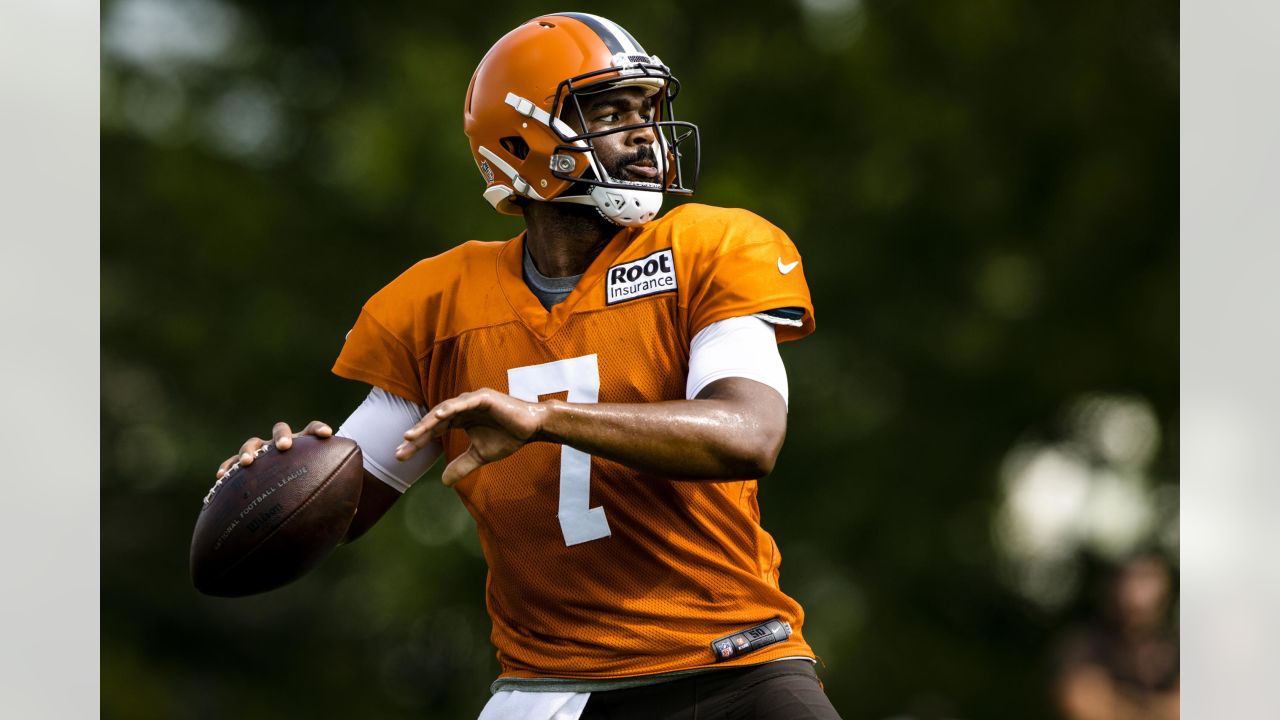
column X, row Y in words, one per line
column 627, row 207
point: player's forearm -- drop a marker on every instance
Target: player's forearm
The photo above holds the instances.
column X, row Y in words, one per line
column 704, row 439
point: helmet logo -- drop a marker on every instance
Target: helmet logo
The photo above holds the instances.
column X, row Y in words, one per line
column 486, row 171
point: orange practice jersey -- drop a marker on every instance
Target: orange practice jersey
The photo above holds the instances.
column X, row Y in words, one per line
column 597, row 570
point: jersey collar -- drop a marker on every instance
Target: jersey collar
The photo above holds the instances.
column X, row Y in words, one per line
column 544, row 323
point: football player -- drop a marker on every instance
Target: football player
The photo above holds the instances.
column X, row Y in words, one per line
column 606, row 388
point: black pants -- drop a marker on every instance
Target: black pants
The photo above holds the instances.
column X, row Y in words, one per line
column 783, row 690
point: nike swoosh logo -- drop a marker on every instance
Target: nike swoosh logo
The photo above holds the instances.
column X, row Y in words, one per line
column 784, row 269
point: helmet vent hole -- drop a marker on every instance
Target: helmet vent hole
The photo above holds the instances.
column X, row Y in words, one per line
column 516, row 146
column 546, row 24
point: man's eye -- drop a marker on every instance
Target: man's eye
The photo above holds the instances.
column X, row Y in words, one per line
column 616, row 117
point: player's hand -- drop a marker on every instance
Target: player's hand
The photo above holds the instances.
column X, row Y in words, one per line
column 281, row 436
column 496, row 423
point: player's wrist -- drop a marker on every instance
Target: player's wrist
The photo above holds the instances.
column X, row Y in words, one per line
column 547, row 413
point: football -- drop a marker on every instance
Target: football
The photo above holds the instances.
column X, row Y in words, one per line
column 266, row 524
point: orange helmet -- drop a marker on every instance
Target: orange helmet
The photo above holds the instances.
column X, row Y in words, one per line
column 520, row 93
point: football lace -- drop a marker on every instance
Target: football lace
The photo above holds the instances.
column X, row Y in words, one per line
column 218, row 483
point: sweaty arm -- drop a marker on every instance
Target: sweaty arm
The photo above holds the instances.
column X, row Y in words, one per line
column 731, row 426
column 732, row 430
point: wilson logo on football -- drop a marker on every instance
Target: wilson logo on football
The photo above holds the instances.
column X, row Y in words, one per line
column 650, row 275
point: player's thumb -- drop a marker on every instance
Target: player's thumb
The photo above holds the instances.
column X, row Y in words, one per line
column 462, row 466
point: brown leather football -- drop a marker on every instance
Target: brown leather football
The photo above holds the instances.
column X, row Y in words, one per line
column 266, row 524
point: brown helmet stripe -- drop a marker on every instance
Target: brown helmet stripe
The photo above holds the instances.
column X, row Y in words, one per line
column 613, row 34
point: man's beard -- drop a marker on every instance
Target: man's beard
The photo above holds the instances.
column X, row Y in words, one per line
column 618, row 170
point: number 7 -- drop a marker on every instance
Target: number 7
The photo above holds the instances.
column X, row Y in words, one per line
column 581, row 377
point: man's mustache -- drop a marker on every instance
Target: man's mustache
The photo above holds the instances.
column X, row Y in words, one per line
column 642, row 153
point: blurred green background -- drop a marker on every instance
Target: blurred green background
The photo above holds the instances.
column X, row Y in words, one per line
column 985, row 193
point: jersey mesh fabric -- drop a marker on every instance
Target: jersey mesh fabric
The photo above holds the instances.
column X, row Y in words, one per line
column 684, row 562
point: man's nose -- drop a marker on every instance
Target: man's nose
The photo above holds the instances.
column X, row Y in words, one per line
column 642, row 136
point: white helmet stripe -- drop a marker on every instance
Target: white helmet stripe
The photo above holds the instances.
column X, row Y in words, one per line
column 629, row 44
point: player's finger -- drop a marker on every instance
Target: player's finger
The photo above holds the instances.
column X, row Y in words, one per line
column 453, row 406
column 458, row 413
column 226, row 465
column 406, row 450
column 249, row 449
column 319, row 428
column 462, row 466
column 460, row 404
column 423, row 426
column 282, row 435
column 415, row 440
column 442, row 426
column 433, row 416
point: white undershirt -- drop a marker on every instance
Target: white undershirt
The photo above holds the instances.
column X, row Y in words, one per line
column 744, row 347
column 378, row 427
column 737, row 347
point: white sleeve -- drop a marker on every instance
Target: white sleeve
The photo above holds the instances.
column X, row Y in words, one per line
column 378, row 427
column 743, row 347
